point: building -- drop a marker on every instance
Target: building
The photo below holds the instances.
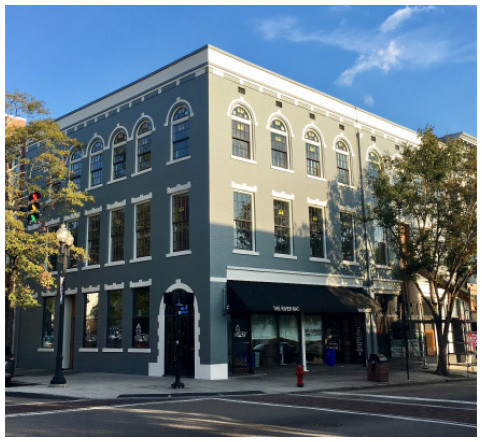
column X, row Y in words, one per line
column 236, row 192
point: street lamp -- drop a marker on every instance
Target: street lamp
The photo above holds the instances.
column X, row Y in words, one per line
column 66, row 240
column 177, row 325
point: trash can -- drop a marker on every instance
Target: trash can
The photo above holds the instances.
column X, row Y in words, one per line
column 377, row 368
column 330, row 356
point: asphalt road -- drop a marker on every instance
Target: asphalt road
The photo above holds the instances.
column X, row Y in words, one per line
column 447, row 409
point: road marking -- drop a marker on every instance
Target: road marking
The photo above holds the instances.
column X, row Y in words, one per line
column 359, row 413
column 405, row 398
column 99, row 407
column 371, row 401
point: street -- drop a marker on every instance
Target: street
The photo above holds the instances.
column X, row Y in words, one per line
column 445, row 409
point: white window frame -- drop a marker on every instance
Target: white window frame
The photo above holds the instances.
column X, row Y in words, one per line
column 87, row 264
column 249, row 122
column 348, row 154
column 344, row 261
column 181, row 120
column 91, row 155
column 113, row 208
column 114, row 146
column 288, row 143
column 290, row 255
column 319, row 145
column 136, row 201
column 323, row 214
column 139, row 137
column 77, row 160
column 252, row 251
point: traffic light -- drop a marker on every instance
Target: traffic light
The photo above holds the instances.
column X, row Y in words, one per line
column 33, row 211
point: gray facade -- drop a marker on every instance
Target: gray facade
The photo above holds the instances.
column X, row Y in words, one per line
column 211, row 84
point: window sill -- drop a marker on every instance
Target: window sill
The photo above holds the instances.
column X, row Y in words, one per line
column 178, row 160
column 114, row 263
column 88, row 189
column 88, row 350
column 140, row 259
column 95, row 266
column 112, row 350
column 182, row 252
column 383, row 266
column 314, row 177
column 245, row 252
column 54, row 273
column 281, row 255
column 141, row 172
column 346, row 185
column 138, row 350
column 117, row 180
column 45, row 350
column 72, row 269
column 246, row 160
column 350, row 263
column 281, row 169
column 316, row 259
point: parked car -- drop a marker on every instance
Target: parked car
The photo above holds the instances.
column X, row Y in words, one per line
column 9, row 366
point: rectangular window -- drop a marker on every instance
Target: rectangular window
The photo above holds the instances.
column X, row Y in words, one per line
column 93, row 239
column 143, row 229
column 76, row 172
column 240, row 134
column 279, row 151
column 114, row 319
column 48, row 322
column 343, row 168
column 282, row 230
column 243, row 221
column 381, row 255
column 140, row 318
column 317, row 234
column 73, row 226
column 180, row 140
column 117, row 235
column 313, row 160
column 96, row 169
column 180, row 222
column 91, row 315
column 347, row 236
column 52, row 257
column 119, row 161
column 144, row 153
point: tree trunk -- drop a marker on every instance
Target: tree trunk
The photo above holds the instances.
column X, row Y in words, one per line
column 442, row 349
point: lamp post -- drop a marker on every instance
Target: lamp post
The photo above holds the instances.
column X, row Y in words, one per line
column 177, row 324
column 66, row 240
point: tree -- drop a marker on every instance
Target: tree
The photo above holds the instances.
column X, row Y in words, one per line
column 47, row 172
column 427, row 199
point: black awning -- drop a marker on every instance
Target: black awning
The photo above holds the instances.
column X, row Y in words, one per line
column 265, row 297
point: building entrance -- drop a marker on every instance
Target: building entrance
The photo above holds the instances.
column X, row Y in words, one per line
column 180, row 325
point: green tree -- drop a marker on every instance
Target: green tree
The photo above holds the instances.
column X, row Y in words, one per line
column 427, row 199
column 47, row 172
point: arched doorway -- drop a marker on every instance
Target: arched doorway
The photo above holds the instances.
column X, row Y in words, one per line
column 179, row 318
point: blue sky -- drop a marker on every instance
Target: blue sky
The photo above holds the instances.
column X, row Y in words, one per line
column 414, row 65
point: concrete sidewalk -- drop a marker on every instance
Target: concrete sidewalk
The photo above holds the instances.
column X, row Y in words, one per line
column 279, row 380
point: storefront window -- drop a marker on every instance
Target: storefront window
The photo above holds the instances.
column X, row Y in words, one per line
column 114, row 319
column 313, row 339
column 265, row 339
column 91, row 319
column 288, row 339
column 48, row 322
column 140, row 320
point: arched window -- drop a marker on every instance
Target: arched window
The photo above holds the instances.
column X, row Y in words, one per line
column 119, row 155
column 373, row 164
column 96, row 163
column 144, row 141
column 76, row 166
column 241, row 129
column 279, row 144
column 343, row 162
column 313, row 157
column 180, row 133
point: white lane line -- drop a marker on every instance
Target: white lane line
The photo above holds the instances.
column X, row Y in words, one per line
column 99, row 407
column 359, row 413
column 371, row 401
column 404, row 398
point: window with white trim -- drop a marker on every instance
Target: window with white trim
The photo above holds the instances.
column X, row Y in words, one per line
column 313, row 154
column 317, row 232
column 381, row 249
column 140, row 318
column 180, row 132
column 347, row 236
column 114, row 319
column 73, row 226
column 143, row 230
column 241, row 133
column 180, row 222
column 76, row 166
column 144, row 142
column 282, row 227
column 119, row 157
column 279, row 144
column 91, row 319
column 342, row 162
column 117, row 226
column 374, row 165
column 93, row 239
column 243, row 221
column 95, row 177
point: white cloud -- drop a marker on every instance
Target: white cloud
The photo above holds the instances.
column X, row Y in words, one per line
column 401, row 15
column 368, row 100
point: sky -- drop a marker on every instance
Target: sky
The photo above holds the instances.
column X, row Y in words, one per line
column 413, row 65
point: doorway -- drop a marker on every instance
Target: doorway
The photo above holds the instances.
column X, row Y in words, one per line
column 185, row 322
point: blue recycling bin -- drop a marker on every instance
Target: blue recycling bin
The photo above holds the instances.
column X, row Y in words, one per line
column 330, row 356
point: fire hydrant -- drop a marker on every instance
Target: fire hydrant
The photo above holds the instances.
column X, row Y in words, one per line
column 299, row 375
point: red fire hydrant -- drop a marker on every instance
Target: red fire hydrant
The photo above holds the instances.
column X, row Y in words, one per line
column 299, row 375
